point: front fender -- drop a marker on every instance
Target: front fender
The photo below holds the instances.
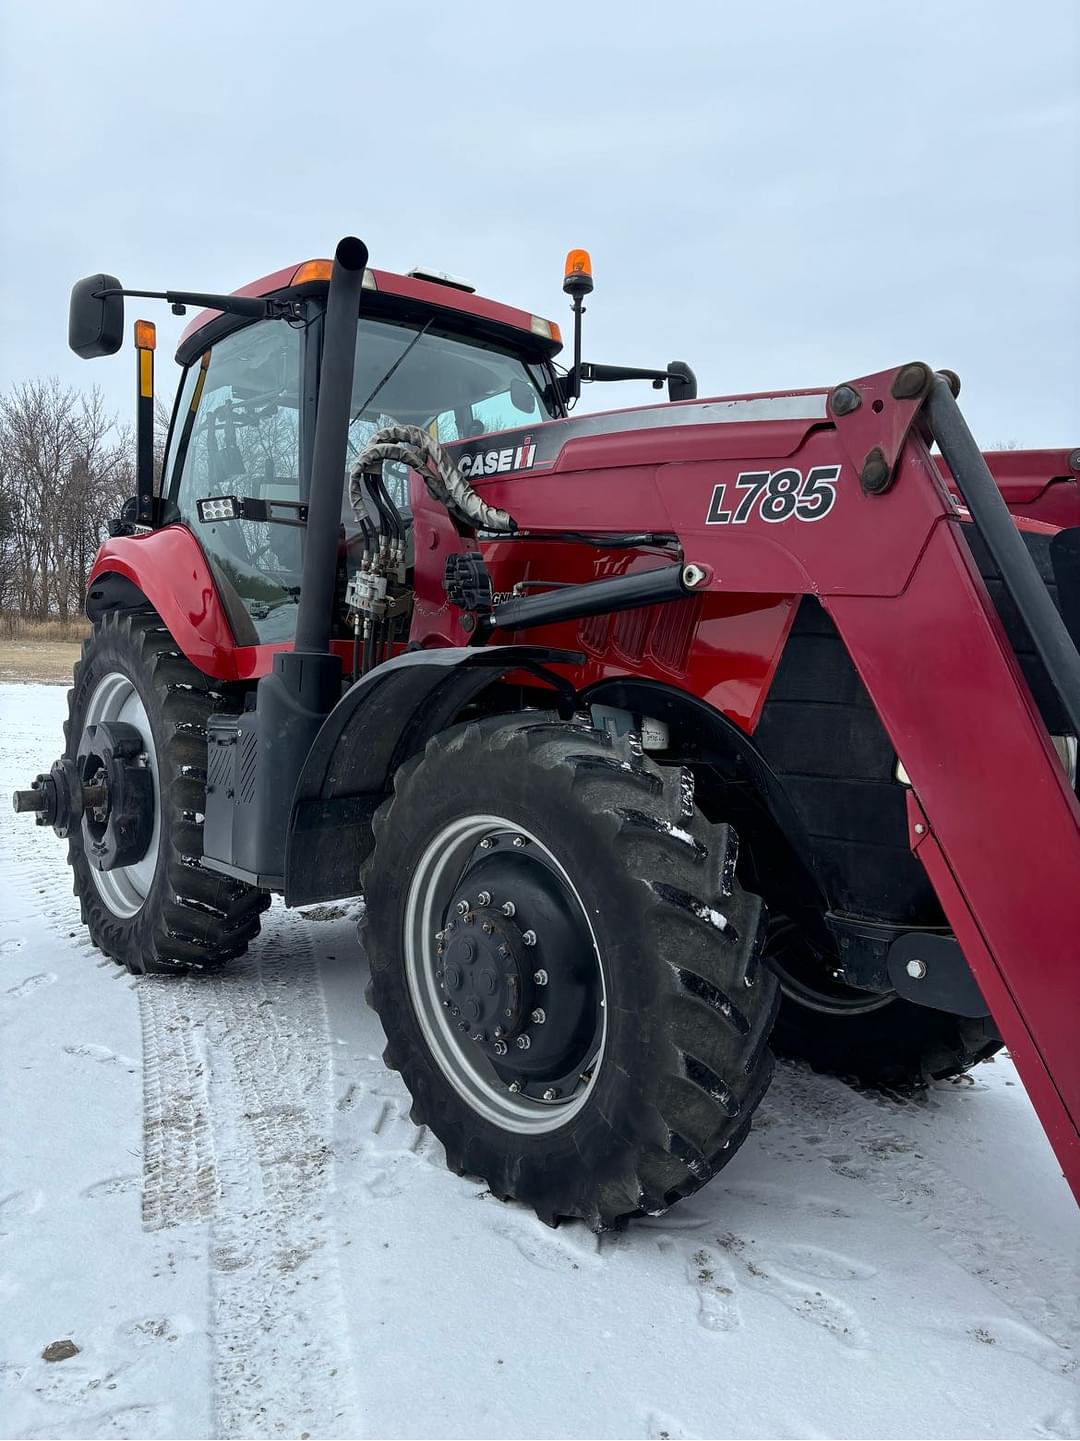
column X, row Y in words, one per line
column 167, row 569
column 386, row 717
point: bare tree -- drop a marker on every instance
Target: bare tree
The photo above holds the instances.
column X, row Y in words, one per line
column 65, row 467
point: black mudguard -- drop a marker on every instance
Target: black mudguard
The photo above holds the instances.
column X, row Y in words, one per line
column 386, row 717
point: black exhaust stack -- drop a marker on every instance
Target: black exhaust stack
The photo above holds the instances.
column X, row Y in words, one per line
column 332, row 417
column 256, row 758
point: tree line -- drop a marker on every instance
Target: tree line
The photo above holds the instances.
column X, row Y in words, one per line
column 66, row 466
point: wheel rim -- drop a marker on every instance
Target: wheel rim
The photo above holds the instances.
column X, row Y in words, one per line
column 457, row 863
column 125, row 888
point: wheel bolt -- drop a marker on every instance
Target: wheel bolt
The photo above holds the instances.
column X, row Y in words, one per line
column 540, row 978
column 486, row 843
column 440, row 935
column 500, row 1048
column 519, row 841
column 463, row 1025
column 488, row 928
column 470, row 919
column 515, row 1087
column 484, row 898
column 539, row 1016
column 463, row 908
column 551, row 1094
column 438, row 975
column 509, row 909
column 508, row 1014
column 500, row 1031
column 529, row 938
column 523, row 1043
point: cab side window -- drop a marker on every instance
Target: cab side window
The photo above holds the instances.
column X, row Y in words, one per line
column 238, row 433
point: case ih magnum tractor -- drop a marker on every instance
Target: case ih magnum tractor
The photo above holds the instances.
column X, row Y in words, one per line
column 657, row 741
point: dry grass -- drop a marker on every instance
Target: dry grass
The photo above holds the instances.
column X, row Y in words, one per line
column 46, row 661
column 13, row 627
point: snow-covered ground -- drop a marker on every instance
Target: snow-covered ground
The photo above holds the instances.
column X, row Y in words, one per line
column 213, row 1189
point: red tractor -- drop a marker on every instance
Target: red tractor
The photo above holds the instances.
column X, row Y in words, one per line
column 657, row 741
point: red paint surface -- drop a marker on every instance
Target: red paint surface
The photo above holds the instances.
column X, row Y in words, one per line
column 1042, row 484
column 445, row 297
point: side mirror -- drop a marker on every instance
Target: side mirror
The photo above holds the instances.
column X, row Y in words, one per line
column 522, row 397
column 681, row 381
column 96, row 321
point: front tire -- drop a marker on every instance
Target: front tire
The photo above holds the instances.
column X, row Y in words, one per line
column 586, row 865
column 164, row 912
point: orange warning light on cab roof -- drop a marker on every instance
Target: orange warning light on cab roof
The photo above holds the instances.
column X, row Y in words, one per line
column 312, row 270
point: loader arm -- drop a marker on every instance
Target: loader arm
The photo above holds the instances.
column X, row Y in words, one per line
column 879, row 540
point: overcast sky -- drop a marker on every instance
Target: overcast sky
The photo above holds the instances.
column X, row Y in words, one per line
column 784, row 194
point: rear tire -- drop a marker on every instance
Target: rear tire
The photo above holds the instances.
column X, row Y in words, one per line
column 665, row 936
column 170, row 914
column 889, row 1043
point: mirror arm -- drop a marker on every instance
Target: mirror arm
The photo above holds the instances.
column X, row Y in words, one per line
column 256, row 306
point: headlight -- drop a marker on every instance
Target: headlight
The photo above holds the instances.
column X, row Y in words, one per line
column 1065, row 746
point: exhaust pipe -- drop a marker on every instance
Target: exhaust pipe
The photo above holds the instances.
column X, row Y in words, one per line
column 313, row 616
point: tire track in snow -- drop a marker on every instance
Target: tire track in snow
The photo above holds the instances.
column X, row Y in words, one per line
column 238, row 1126
column 1042, row 1287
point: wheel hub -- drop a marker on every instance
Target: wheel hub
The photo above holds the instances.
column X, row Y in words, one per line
column 112, row 763
column 516, row 970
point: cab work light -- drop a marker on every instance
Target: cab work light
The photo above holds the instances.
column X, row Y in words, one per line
column 221, row 507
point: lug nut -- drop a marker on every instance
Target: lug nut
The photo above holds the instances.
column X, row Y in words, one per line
column 509, row 909
column 470, row 918
column 519, row 841
column 463, row 1025
column 515, row 1087
column 484, row 898
column 440, row 935
column 551, row 1094
column 500, row 1048
column 486, row 843
column 540, row 978
column 523, row 1043
column 916, row 970
column 538, row 1017
column 529, row 938
column 504, row 951
column 488, row 928
column 500, row 1031
column 438, row 975
column 463, row 908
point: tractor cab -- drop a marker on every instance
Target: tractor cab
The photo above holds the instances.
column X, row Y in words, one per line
column 429, row 353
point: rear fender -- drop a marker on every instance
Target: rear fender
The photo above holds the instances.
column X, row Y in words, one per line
column 378, row 724
column 167, row 570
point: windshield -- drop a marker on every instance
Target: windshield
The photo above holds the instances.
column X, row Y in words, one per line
column 452, row 387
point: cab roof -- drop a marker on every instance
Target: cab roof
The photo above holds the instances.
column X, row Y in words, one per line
column 543, row 335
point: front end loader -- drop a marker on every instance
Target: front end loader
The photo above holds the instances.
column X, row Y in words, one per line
column 657, row 740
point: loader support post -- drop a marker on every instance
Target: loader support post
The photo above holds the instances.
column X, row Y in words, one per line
column 1004, row 542
column 331, row 434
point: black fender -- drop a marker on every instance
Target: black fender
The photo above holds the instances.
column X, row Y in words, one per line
column 387, row 716
column 734, row 782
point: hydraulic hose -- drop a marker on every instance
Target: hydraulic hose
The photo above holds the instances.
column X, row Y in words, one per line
column 415, row 448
